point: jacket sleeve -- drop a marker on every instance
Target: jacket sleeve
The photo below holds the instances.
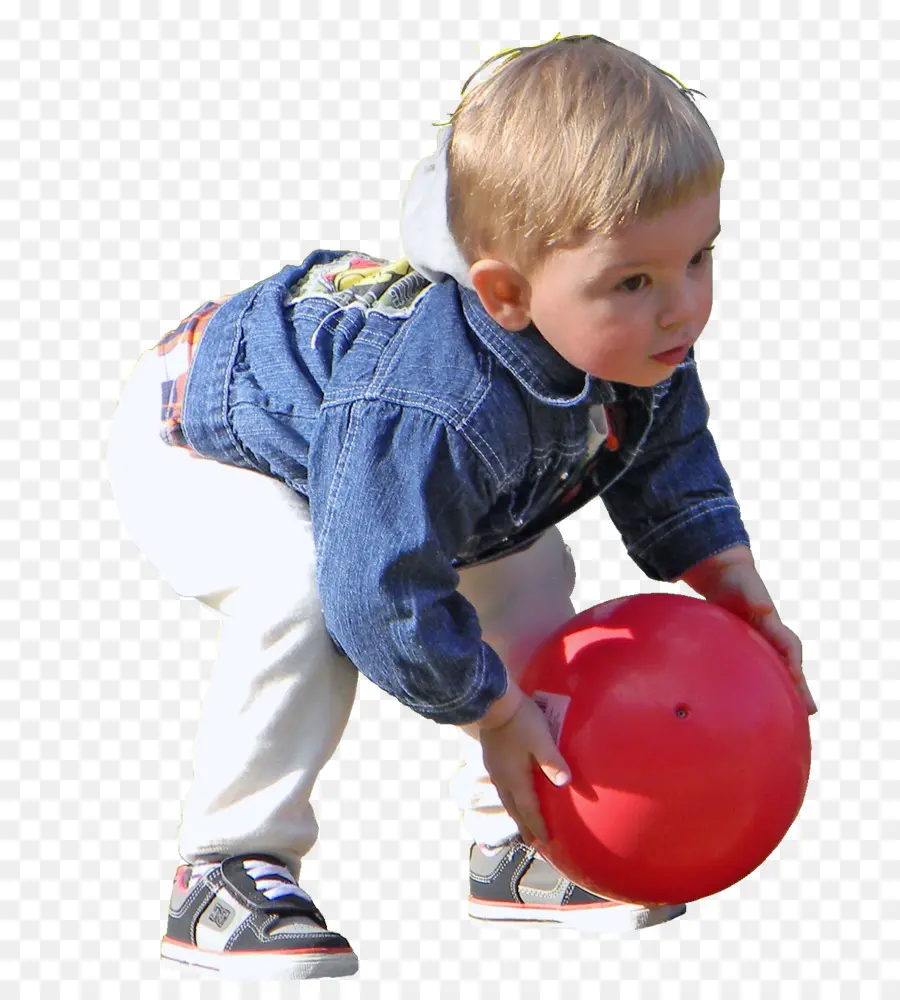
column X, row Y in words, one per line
column 394, row 493
column 674, row 506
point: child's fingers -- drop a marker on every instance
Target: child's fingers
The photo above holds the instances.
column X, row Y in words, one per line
column 556, row 769
column 811, row 706
column 790, row 647
column 792, row 652
column 509, row 804
column 528, row 808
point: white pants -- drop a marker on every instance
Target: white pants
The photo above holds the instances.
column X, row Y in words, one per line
column 280, row 694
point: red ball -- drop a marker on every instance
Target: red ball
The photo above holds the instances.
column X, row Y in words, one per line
column 687, row 741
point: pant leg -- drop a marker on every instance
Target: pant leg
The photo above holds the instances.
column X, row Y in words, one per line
column 280, row 694
column 520, row 600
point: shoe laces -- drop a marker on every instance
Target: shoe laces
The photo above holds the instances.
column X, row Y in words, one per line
column 274, row 881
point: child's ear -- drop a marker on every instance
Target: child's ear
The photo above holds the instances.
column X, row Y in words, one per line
column 504, row 293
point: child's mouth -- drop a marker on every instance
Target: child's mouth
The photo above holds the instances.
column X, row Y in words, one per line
column 674, row 356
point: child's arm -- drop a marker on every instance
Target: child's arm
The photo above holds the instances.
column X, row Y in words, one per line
column 675, row 506
column 678, row 517
column 730, row 580
column 395, row 493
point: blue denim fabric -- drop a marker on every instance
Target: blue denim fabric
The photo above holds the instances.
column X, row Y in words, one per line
column 427, row 438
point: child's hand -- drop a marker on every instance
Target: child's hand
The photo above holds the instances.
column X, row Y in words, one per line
column 509, row 750
column 731, row 581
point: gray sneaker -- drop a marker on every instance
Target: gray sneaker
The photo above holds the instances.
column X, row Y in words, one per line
column 246, row 918
column 517, row 883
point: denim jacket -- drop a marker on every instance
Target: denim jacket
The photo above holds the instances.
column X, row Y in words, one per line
column 427, row 438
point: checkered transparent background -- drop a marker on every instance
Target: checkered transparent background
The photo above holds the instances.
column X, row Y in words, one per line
column 157, row 154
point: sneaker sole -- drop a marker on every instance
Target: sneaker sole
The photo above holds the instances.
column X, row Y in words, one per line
column 617, row 918
column 265, row 965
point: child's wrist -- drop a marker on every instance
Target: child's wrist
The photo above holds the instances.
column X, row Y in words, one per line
column 503, row 709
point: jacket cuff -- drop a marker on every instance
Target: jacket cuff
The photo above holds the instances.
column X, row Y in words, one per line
column 489, row 684
column 695, row 534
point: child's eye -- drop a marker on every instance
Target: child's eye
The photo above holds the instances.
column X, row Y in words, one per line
column 698, row 261
column 636, row 277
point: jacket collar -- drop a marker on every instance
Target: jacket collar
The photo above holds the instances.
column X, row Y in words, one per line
column 532, row 361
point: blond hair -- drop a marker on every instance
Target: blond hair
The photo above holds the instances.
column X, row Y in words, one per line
column 567, row 139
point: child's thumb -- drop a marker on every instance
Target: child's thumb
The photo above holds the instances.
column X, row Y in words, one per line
column 556, row 769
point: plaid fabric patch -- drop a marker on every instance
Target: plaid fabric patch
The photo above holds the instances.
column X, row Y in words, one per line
column 177, row 349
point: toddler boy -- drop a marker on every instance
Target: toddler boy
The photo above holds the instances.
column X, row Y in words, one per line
column 360, row 464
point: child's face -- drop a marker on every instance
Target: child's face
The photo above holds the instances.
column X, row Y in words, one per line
column 613, row 304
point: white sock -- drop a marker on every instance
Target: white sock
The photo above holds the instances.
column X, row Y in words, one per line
column 202, row 868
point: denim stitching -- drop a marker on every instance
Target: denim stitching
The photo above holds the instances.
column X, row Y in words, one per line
column 337, row 484
column 500, row 476
column 642, row 545
column 465, row 697
column 479, row 445
column 338, row 481
column 379, row 383
column 538, row 385
column 223, row 410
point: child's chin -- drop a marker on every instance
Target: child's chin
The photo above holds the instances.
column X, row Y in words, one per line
column 639, row 378
column 642, row 381
column 656, row 378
